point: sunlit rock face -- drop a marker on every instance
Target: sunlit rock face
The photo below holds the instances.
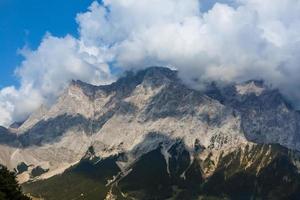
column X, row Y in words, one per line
column 142, row 112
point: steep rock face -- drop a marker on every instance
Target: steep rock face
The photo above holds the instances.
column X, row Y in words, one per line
column 5, row 135
column 126, row 117
column 266, row 116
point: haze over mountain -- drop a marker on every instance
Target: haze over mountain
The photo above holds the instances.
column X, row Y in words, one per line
column 148, row 135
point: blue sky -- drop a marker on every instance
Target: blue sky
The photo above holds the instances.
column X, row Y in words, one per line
column 26, row 22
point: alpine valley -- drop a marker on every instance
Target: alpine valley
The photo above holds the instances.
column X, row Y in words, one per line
column 148, row 136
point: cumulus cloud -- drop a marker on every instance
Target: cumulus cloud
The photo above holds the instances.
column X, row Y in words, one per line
column 221, row 40
column 227, row 40
column 46, row 71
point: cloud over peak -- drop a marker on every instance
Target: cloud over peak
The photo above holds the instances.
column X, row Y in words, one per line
column 227, row 40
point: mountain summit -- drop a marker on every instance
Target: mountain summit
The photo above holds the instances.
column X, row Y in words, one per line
column 150, row 135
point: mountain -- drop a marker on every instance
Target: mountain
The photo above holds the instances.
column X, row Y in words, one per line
column 251, row 172
column 150, row 136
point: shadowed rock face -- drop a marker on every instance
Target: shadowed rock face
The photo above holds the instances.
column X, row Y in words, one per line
column 6, row 137
column 266, row 117
column 149, row 111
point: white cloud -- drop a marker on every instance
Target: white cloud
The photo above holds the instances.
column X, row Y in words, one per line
column 46, row 71
column 227, row 40
column 60, row 59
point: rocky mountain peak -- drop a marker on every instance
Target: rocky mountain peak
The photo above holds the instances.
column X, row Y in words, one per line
column 251, row 87
column 34, row 118
column 152, row 76
column 88, row 89
column 157, row 75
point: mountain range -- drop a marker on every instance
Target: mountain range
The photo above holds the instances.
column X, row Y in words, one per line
column 150, row 136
